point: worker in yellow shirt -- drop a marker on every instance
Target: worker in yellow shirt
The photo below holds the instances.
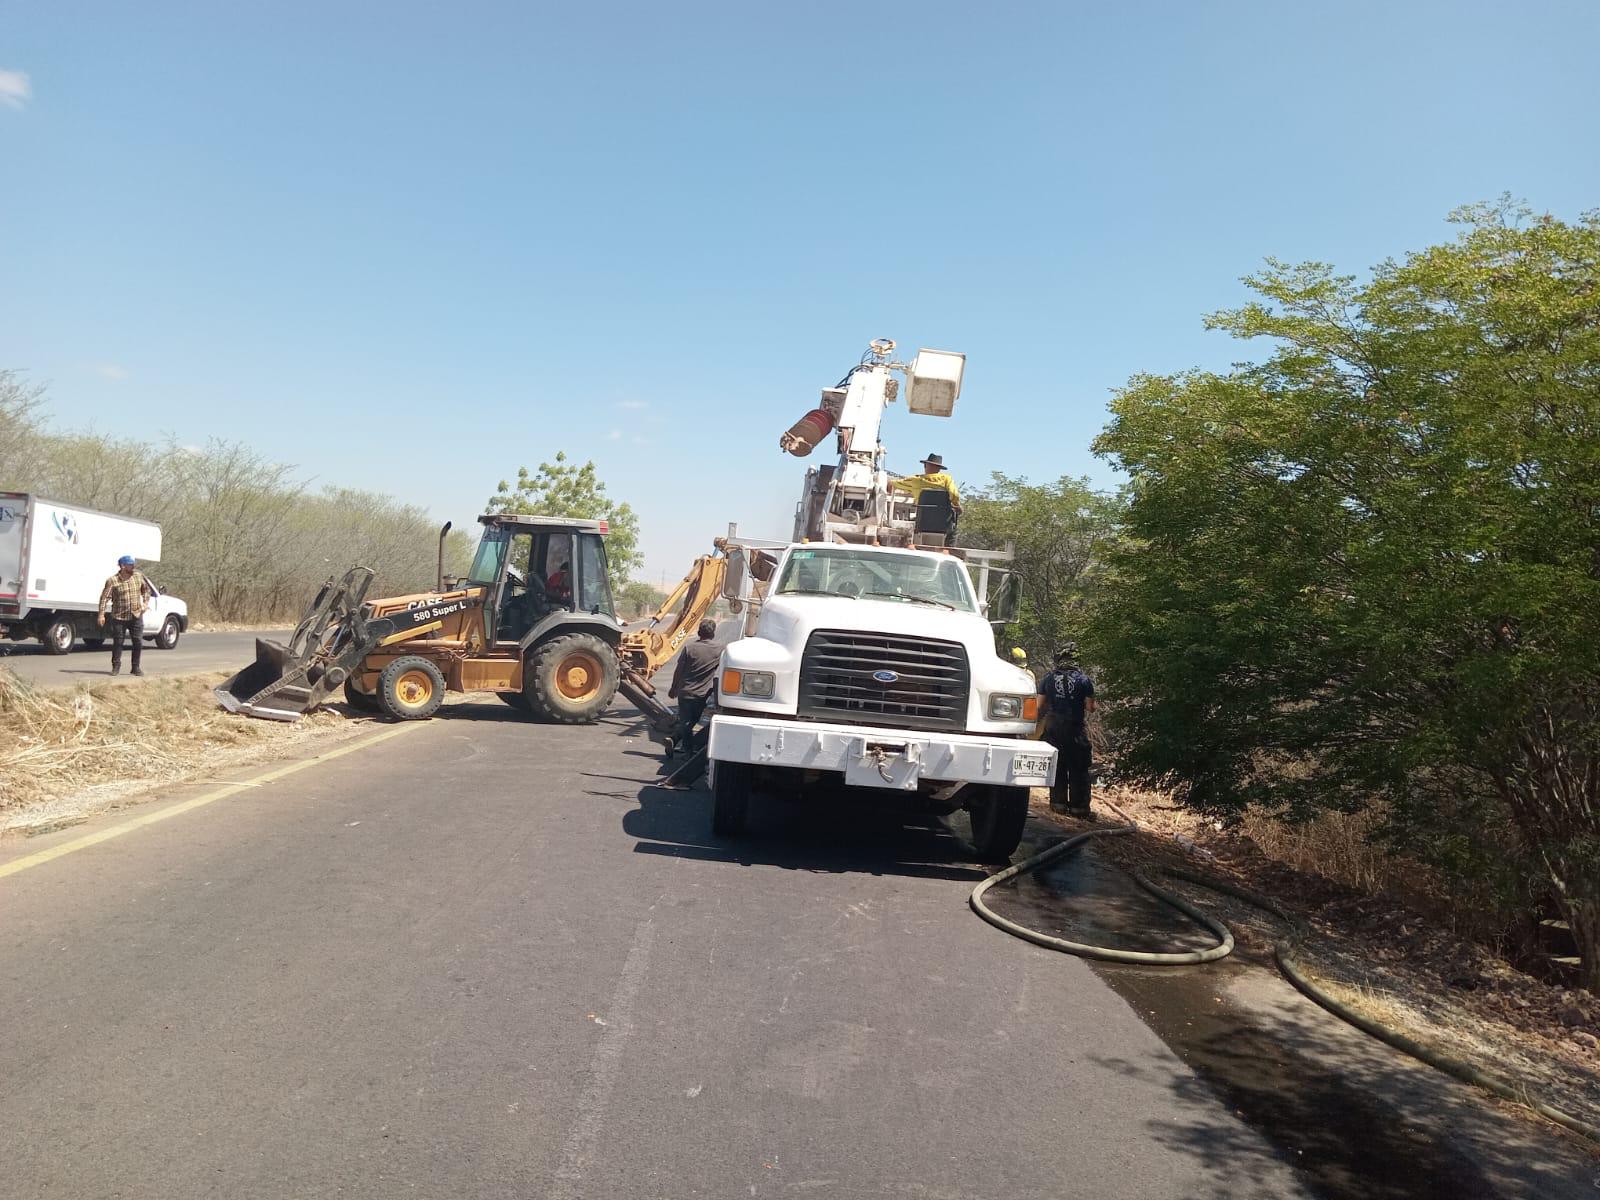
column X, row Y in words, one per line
column 933, row 476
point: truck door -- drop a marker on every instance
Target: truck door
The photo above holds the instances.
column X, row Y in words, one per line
column 13, row 525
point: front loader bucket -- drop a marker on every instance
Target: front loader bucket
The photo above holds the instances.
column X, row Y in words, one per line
column 286, row 682
column 272, row 687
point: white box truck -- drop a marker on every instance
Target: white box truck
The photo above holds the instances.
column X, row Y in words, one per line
column 55, row 558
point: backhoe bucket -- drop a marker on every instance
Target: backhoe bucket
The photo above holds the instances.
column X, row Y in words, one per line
column 287, row 681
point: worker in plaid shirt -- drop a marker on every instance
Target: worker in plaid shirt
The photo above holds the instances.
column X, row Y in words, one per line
column 125, row 597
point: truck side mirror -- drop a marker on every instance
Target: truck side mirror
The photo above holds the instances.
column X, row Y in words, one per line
column 1007, row 601
column 733, row 577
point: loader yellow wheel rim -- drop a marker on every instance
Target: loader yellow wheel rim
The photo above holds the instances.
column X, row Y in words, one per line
column 578, row 676
column 413, row 689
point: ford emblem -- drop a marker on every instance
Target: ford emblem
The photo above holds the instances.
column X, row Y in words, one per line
column 885, row 676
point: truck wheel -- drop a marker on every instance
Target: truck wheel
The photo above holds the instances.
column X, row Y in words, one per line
column 998, row 815
column 572, row 678
column 167, row 635
column 59, row 637
column 730, row 797
column 366, row 702
column 410, row 689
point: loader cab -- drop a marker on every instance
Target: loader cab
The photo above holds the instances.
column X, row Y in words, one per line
column 536, row 566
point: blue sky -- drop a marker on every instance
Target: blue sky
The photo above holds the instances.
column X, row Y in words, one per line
column 411, row 246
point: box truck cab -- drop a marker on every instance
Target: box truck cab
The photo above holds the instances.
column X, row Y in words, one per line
column 54, row 560
column 875, row 667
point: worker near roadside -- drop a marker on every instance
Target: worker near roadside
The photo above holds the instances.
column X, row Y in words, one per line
column 693, row 680
column 933, row 476
column 1069, row 699
column 124, row 598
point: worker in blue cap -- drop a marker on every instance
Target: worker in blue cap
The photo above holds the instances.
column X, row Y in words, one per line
column 124, row 598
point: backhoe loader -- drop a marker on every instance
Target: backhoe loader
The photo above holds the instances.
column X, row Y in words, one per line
column 532, row 621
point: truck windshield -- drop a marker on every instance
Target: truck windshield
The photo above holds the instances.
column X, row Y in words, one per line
column 898, row 578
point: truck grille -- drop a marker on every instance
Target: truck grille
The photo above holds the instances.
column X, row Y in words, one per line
column 929, row 690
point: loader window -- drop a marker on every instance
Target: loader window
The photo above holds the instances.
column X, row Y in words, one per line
column 491, row 554
column 594, row 594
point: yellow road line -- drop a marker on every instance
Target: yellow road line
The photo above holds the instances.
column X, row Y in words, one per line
column 173, row 810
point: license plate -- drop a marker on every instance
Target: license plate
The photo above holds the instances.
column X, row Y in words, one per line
column 1030, row 766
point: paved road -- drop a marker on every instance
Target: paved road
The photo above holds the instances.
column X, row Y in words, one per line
column 195, row 652
column 490, row 959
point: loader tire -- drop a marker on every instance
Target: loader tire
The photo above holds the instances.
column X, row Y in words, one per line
column 366, row 702
column 410, row 689
column 571, row 679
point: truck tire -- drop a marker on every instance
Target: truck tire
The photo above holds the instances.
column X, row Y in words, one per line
column 410, row 689
column 366, row 702
column 571, row 679
column 730, row 797
column 59, row 637
column 167, row 635
column 998, row 815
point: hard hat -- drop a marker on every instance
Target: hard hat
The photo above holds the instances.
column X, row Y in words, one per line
column 125, row 561
column 1018, row 653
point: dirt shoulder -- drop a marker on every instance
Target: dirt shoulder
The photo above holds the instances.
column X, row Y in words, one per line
column 1374, row 953
column 66, row 755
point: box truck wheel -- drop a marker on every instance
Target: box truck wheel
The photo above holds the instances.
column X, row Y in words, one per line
column 730, row 797
column 59, row 637
column 998, row 815
column 410, row 688
column 167, row 635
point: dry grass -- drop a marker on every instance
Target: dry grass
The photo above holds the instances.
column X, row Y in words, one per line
column 1337, row 846
column 65, row 753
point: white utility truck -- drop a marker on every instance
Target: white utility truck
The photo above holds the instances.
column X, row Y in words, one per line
column 869, row 658
column 54, row 560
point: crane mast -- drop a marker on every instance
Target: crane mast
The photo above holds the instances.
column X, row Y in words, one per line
column 851, row 500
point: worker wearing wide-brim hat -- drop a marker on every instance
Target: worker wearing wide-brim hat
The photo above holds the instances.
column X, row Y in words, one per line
column 933, row 476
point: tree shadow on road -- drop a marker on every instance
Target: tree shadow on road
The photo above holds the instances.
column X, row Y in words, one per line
column 1355, row 1119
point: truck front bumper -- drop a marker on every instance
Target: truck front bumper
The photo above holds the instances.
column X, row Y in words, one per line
column 882, row 758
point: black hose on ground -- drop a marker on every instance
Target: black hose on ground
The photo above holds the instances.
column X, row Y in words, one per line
column 1283, row 952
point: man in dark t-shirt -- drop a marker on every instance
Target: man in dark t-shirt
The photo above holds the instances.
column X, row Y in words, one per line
column 1069, row 699
column 693, row 682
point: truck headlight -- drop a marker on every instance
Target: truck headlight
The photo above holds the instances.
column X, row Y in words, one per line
column 759, row 684
column 1013, row 708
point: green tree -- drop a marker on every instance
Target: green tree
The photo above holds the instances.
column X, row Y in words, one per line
column 1060, row 533
column 1367, row 569
column 562, row 489
column 636, row 597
